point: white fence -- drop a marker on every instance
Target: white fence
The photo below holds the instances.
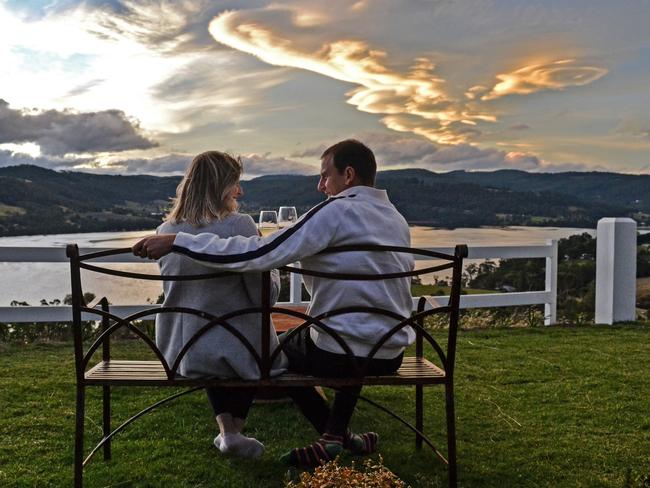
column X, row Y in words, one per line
column 548, row 296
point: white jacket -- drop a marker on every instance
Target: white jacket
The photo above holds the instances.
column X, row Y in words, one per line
column 358, row 215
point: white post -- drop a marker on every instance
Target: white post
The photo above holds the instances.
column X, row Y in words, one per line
column 295, row 287
column 615, row 270
column 550, row 307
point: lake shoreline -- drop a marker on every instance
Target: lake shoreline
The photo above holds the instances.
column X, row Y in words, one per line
column 127, row 233
column 31, row 282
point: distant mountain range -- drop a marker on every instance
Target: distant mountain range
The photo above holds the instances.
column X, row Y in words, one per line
column 35, row 200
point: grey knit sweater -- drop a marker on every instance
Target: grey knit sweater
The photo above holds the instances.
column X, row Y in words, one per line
column 218, row 352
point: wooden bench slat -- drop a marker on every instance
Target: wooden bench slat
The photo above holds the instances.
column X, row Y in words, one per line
column 151, row 373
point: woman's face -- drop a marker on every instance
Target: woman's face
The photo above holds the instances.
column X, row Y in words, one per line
column 235, row 192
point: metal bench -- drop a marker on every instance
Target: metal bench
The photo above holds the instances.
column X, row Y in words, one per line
column 415, row 371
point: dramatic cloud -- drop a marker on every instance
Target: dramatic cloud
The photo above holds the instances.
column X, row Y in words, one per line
column 177, row 163
column 419, row 93
column 12, row 158
column 418, row 100
column 457, row 131
column 169, row 27
column 267, row 164
column 389, row 148
column 65, row 132
column 182, row 79
column 555, row 75
column 281, row 73
column 201, row 94
column 170, row 164
column 395, row 151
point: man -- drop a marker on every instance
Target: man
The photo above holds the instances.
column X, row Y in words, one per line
column 354, row 213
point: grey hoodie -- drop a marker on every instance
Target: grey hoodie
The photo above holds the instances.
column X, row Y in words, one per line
column 218, row 352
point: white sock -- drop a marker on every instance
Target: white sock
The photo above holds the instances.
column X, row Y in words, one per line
column 239, row 445
column 217, row 442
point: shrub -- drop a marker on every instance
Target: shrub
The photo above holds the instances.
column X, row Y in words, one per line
column 530, row 316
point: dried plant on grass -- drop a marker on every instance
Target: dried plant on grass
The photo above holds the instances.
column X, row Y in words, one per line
column 333, row 475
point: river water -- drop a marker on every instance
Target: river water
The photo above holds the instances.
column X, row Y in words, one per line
column 31, row 282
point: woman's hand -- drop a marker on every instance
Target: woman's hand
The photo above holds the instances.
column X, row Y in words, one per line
column 154, row 247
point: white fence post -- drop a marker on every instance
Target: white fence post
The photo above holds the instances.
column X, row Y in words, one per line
column 550, row 307
column 615, row 270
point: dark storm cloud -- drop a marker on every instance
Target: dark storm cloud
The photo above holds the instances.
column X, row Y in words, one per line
column 65, row 132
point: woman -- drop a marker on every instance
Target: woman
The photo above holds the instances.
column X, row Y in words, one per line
column 206, row 201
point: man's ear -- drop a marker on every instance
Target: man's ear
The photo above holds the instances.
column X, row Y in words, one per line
column 350, row 175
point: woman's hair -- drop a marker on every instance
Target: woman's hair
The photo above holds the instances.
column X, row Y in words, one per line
column 201, row 195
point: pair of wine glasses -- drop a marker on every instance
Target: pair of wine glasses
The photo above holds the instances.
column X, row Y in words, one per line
column 270, row 220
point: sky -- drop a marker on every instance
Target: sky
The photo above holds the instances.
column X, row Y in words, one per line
column 140, row 87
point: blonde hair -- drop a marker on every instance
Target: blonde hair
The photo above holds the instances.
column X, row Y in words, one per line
column 201, row 196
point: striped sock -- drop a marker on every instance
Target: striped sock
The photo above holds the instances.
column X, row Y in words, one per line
column 360, row 444
column 323, row 450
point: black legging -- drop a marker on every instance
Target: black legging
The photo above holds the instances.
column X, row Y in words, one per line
column 235, row 401
column 304, row 357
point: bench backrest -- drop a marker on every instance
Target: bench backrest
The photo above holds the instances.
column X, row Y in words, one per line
column 110, row 323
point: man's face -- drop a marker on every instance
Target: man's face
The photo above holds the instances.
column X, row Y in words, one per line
column 331, row 182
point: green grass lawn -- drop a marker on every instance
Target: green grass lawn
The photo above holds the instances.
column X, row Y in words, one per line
column 536, row 407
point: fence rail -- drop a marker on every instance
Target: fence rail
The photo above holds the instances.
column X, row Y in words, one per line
column 63, row 313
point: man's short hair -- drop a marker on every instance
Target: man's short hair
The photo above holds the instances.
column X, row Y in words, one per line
column 355, row 154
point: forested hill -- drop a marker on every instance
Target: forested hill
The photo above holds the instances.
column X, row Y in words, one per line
column 519, row 197
column 34, row 200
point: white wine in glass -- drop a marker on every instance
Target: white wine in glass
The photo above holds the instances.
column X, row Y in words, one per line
column 268, row 222
column 287, row 216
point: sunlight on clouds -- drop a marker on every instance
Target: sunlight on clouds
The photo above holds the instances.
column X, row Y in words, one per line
column 28, row 148
column 381, row 90
column 555, row 75
column 156, row 62
column 303, row 18
column 121, row 71
column 520, row 145
column 50, row 40
column 360, row 5
column 139, row 60
column 449, row 132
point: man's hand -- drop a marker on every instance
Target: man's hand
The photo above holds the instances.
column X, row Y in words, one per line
column 154, row 247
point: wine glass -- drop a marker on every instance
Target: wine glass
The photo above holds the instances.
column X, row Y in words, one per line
column 287, row 216
column 268, row 222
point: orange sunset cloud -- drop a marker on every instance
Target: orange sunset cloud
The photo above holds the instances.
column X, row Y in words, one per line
column 418, row 94
column 555, row 75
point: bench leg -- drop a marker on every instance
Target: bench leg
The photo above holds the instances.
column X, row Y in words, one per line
column 106, row 417
column 79, row 437
column 419, row 420
column 451, row 434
